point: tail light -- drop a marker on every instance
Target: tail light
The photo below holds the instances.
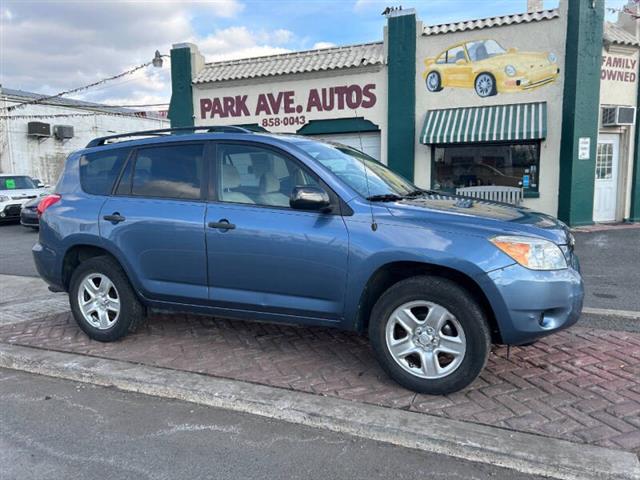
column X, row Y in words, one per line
column 47, row 201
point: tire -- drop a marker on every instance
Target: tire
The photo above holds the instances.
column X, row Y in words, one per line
column 112, row 326
column 433, row 82
column 485, row 85
column 462, row 329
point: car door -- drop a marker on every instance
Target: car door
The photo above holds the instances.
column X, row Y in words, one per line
column 458, row 68
column 155, row 221
column 264, row 256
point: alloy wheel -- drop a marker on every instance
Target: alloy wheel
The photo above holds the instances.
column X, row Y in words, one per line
column 484, row 85
column 99, row 301
column 425, row 339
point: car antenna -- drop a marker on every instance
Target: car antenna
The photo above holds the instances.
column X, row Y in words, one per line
column 374, row 225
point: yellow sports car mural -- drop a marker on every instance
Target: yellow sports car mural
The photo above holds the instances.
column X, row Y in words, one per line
column 489, row 69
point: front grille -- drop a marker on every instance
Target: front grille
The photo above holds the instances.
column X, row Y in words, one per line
column 23, row 197
column 12, row 210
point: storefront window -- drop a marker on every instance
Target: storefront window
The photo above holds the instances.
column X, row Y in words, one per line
column 508, row 165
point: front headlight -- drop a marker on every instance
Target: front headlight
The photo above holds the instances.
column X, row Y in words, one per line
column 510, row 70
column 552, row 58
column 533, row 253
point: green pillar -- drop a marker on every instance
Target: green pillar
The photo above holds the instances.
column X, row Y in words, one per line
column 401, row 92
column 634, row 214
column 181, row 106
column 580, row 109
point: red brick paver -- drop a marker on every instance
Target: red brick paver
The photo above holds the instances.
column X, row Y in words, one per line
column 581, row 385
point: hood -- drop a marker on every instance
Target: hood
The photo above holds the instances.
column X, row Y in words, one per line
column 21, row 193
column 480, row 217
column 520, row 60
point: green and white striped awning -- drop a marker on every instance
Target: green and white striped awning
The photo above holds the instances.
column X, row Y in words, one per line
column 497, row 123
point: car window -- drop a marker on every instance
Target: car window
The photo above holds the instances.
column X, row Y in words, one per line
column 169, row 171
column 455, row 54
column 484, row 49
column 99, row 170
column 16, row 182
column 258, row 176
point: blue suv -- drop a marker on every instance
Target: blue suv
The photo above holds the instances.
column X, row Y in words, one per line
column 289, row 229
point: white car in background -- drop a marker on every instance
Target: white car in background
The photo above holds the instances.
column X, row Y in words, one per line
column 15, row 191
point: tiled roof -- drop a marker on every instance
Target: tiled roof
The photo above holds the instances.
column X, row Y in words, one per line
column 297, row 62
column 491, row 22
column 618, row 35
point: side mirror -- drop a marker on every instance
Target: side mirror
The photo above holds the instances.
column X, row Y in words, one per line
column 462, row 61
column 309, row 198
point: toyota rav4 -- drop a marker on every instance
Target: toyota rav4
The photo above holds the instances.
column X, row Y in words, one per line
column 288, row 229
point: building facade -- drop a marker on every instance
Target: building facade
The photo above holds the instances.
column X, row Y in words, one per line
column 544, row 101
column 36, row 139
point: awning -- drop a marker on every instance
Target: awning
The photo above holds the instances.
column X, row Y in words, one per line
column 497, row 123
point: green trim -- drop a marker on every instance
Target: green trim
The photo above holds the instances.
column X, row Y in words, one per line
column 401, row 96
column 580, row 110
column 181, row 106
column 496, row 123
column 338, row 125
column 634, row 214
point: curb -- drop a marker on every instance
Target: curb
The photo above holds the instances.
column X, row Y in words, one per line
column 527, row 453
column 607, row 312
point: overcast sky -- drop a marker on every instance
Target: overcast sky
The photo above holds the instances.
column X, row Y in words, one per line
column 50, row 46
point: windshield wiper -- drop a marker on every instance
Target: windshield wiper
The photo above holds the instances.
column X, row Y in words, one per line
column 420, row 193
column 386, row 197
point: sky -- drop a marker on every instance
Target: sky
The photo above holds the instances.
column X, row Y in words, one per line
column 48, row 46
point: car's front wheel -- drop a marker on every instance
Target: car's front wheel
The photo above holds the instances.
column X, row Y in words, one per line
column 433, row 81
column 102, row 300
column 430, row 335
column 485, row 85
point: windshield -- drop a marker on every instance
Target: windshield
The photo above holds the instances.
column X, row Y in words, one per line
column 16, row 183
column 364, row 174
column 484, row 49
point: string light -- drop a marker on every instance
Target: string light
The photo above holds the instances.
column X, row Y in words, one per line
column 65, row 115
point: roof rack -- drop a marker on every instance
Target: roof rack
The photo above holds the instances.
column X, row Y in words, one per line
column 96, row 142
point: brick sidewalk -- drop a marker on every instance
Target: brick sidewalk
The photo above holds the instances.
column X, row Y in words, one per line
column 581, row 385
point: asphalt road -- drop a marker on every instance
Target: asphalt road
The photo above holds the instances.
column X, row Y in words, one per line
column 610, row 263
column 105, row 433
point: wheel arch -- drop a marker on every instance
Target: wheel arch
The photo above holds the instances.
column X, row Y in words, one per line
column 391, row 273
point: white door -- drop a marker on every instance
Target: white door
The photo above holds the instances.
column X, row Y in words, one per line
column 367, row 142
column 606, row 183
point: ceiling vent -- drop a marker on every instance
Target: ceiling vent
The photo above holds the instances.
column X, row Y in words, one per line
column 63, row 132
column 618, row 116
column 38, row 129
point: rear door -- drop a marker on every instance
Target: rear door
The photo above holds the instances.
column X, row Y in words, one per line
column 155, row 221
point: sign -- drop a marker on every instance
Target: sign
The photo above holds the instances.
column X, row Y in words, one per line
column 584, row 148
column 618, row 68
column 289, row 107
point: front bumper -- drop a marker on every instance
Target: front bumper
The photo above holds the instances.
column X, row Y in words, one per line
column 530, row 81
column 530, row 304
column 10, row 211
column 29, row 218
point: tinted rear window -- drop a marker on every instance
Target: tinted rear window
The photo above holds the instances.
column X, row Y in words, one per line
column 172, row 171
column 98, row 171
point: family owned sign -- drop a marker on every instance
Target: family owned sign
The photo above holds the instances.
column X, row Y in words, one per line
column 290, row 102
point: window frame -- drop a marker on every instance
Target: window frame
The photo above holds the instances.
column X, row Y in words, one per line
column 130, row 164
column 337, row 205
column 527, row 193
column 126, row 151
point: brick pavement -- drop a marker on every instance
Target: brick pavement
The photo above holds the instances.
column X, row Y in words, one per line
column 581, row 385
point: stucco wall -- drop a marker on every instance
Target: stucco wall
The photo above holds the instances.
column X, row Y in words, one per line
column 300, row 112
column 44, row 158
column 539, row 36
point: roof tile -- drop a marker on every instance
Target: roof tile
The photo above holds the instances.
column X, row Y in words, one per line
column 491, row 22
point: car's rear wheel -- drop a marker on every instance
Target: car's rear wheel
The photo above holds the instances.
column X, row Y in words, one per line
column 433, row 81
column 485, row 85
column 430, row 335
column 102, row 300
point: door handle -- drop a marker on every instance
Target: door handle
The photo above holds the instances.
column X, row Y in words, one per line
column 115, row 217
column 223, row 224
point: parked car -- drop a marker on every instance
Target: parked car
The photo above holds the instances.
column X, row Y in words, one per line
column 488, row 68
column 327, row 236
column 15, row 191
column 29, row 213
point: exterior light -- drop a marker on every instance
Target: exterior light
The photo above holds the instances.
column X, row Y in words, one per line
column 157, row 60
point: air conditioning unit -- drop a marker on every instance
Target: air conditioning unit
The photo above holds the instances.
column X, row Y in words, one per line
column 63, row 132
column 38, row 129
column 617, row 116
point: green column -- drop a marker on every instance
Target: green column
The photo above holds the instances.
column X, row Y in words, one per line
column 401, row 93
column 181, row 106
column 580, row 109
column 634, row 214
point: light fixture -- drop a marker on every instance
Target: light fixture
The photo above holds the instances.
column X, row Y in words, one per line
column 157, row 60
